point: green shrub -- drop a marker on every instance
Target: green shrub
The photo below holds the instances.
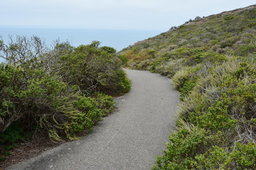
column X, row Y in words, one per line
column 93, row 69
column 185, row 80
column 245, row 50
column 182, row 148
column 187, row 73
column 206, row 57
column 171, row 67
column 187, row 88
column 241, row 156
column 244, row 156
column 52, row 104
column 105, row 103
column 108, row 49
column 123, row 59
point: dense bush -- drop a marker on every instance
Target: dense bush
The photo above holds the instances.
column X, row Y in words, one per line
column 212, row 63
column 93, row 69
column 58, row 93
column 55, row 106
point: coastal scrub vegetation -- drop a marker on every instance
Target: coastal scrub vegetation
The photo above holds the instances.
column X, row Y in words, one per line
column 57, row 92
column 212, row 63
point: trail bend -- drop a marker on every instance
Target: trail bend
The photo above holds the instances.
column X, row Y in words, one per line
column 131, row 138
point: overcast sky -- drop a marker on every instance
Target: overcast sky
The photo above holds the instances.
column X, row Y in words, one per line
column 110, row 14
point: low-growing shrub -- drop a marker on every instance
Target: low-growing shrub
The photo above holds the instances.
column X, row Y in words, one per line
column 240, row 156
column 182, row 148
column 187, row 88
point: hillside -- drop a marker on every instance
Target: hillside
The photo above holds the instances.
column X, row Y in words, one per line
column 212, row 63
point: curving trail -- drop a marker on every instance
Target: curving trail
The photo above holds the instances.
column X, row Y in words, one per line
column 130, row 138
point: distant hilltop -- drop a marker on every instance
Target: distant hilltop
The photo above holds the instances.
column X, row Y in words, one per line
column 201, row 20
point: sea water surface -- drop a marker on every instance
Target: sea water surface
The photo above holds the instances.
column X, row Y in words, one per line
column 118, row 39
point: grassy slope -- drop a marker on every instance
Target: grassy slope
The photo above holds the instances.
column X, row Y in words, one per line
column 212, row 62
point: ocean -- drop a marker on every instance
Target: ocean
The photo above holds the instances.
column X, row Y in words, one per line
column 117, row 39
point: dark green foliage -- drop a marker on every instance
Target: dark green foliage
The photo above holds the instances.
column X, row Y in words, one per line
column 109, row 49
column 212, row 64
column 105, row 103
column 186, row 88
column 17, row 132
column 123, row 59
column 183, row 144
column 93, row 69
column 241, row 156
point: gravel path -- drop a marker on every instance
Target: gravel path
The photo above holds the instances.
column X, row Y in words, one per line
column 130, row 138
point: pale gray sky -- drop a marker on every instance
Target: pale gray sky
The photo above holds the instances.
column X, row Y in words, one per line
column 110, row 14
